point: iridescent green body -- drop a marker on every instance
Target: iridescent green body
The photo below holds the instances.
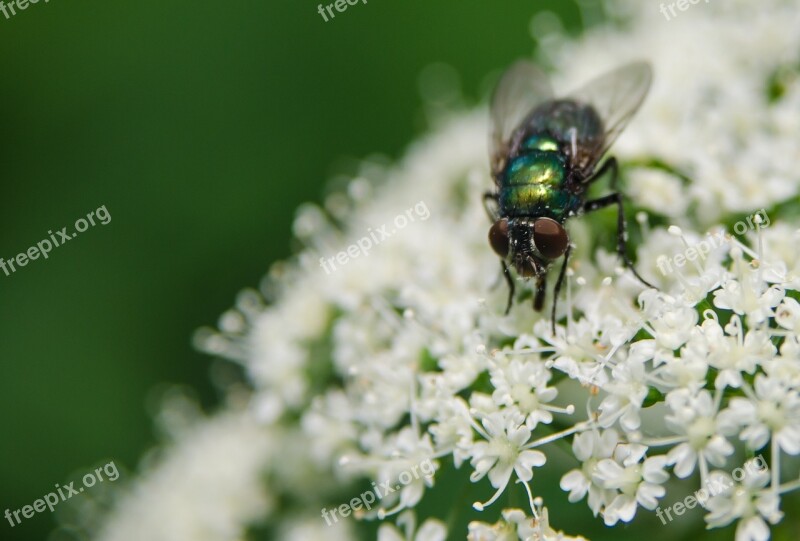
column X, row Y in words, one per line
column 534, row 183
column 540, row 178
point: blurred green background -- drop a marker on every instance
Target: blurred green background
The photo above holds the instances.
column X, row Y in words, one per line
column 200, row 126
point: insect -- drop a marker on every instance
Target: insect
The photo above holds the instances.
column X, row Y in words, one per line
column 544, row 154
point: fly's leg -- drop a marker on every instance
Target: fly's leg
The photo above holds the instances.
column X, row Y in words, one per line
column 557, row 289
column 541, row 290
column 622, row 235
column 609, row 165
column 510, row 282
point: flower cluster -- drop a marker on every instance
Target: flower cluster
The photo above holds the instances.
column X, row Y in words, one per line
column 406, row 356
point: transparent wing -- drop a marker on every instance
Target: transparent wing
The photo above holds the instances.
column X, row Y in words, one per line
column 615, row 96
column 521, row 88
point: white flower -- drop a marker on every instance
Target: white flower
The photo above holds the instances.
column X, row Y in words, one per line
column 503, row 453
column 430, row 530
column 516, row 526
column 746, row 293
column 782, row 259
column 636, row 481
column 786, row 366
column 689, row 369
column 578, row 353
column 787, row 315
column 627, row 390
column 182, row 498
column 695, row 416
column 690, row 282
column 733, row 352
column 590, row 447
column 774, row 411
column 747, row 502
column 328, row 422
column 501, row 531
column 402, row 466
column 669, row 321
column 310, row 528
column 453, row 433
column 523, row 384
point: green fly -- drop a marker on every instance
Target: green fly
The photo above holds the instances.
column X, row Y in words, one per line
column 544, row 154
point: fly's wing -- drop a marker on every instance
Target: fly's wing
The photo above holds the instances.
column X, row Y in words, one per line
column 615, row 97
column 522, row 87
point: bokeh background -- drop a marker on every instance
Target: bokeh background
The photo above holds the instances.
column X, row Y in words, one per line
column 200, row 125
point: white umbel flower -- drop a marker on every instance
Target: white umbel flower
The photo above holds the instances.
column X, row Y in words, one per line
column 361, row 370
column 636, row 480
column 503, row 453
column 771, row 410
column 747, row 502
column 516, row 526
column 695, row 417
column 430, row 530
column 590, row 448
column 183, row 498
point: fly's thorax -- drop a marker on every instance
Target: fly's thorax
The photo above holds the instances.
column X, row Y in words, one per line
column 576, row 127
column 559, row 118
column 540, row 141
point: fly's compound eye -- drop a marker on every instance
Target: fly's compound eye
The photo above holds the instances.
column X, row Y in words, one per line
column 498, row 237
column 550, row 238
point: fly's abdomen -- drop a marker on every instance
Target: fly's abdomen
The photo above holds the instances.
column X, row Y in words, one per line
column 534, row 185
